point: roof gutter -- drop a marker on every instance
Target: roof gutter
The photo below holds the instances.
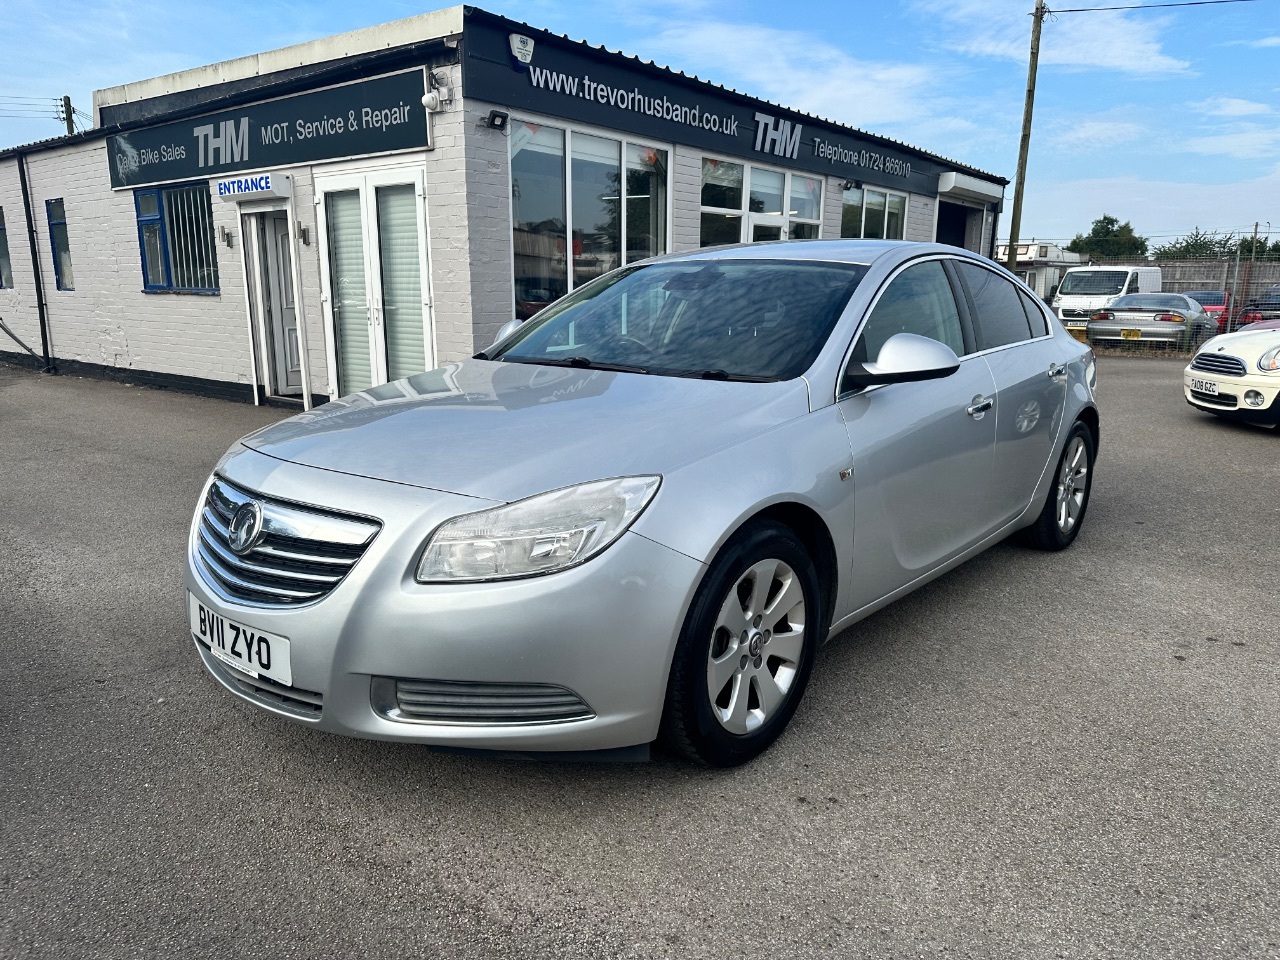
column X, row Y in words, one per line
column 50, row 365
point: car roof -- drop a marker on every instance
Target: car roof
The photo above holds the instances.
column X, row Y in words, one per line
column 863, row 252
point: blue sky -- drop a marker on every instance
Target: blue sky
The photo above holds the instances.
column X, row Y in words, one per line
column 1169, row 118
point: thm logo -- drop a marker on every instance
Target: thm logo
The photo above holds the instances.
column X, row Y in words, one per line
column 231, row 145
column 778, row 137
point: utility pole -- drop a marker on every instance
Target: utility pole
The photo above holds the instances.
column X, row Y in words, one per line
column 1253, row 253
column 68, row 116
column 1020, row 181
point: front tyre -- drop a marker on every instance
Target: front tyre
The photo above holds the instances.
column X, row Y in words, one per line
column 1064, row 509
column 746, row 648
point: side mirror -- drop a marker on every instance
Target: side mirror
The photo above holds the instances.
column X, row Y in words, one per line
column 508, row 328
column 904, row 358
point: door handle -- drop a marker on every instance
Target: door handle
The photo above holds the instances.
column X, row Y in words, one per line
column 979, row 406
column 1057, row 371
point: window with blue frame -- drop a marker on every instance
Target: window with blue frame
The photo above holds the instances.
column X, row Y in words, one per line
column 176, row 239
column 57, row 214
column 6, row 266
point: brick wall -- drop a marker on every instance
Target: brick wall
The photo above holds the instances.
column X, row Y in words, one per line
column 919, row 224
column 107, row 319
column 17, row 303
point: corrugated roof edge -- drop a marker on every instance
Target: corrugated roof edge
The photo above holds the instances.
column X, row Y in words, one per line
column 651, row 65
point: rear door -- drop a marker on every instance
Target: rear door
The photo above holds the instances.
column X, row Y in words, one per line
column 1029, row 368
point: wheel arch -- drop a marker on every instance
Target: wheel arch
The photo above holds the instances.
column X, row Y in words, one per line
column 1089, row 417
column 813, row 532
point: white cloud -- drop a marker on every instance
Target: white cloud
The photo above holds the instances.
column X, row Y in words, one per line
column 801, row 72
column 1242, row 141
column 1108, row 40
column 1264, row 42
column 1229, row 107
column 1093, row 133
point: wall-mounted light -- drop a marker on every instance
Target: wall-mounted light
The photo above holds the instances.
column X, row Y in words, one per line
column 497, row 120
column 304, row 234
column 226, row 236
column 851, row 185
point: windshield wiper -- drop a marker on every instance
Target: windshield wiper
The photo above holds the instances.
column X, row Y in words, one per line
column 582, row 363
column 717, row 374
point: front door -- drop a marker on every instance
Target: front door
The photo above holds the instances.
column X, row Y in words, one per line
column 375, row 264
column 286, row 355
column 922, row 452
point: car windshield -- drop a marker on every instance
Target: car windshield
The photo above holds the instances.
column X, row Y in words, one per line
column 719, row 319
column 1208, row 298
column 1102, row 283
column 1149, row 301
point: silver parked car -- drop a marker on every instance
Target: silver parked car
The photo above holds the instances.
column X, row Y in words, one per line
column 638, row 515
column 1165, row 319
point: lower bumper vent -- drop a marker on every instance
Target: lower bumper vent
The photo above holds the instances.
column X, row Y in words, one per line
column 304, row 704
column 461, row 702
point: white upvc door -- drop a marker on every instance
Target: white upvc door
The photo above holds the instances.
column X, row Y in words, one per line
column 374, row 267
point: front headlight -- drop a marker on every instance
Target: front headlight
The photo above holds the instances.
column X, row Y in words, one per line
column 1269, row 362
column 549, row 532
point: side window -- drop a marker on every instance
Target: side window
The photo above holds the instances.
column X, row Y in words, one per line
column 919, row 301
column 1133, row 284
column 1035, row 315
column 1000, row 316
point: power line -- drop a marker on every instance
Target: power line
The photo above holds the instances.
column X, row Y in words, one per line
column 1152, row 6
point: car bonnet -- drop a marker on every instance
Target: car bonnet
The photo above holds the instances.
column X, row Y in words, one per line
column 504, row 431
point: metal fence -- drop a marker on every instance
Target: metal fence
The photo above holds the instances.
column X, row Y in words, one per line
column 1247, row 291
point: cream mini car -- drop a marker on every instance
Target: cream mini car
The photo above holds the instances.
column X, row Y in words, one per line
column 1237, row 375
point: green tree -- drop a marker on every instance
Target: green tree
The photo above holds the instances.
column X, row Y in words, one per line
column 1199, row 244
column 1109, row 238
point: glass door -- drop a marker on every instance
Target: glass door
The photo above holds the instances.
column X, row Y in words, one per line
column 765, row 227
column 375, row 269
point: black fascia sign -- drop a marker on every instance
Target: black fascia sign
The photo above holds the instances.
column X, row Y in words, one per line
column 371, row 116
column 511, row 65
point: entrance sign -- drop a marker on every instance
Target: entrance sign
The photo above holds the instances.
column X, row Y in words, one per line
column 261, row 186
column 371, row 116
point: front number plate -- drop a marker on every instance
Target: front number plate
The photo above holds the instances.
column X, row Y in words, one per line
column 1205, row 386
column 1131, row 334
column 242, row 648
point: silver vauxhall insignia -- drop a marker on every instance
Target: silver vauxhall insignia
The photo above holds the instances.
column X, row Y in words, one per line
column 638, row 515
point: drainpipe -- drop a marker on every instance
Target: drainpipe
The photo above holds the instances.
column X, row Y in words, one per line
column 50, row 365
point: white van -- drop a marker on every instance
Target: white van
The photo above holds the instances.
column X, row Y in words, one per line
column 1086, row 289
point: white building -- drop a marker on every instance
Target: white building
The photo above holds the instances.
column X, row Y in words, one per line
column 1040, row 265
column 318, row 220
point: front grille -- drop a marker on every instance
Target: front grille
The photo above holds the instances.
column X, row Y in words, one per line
column 1076, row 314
column 306, row 704
column 1219, row 363
column 299, row 557
column 1216, row 399
column 451, row 701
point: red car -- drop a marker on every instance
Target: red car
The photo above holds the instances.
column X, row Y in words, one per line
column 1216, row 303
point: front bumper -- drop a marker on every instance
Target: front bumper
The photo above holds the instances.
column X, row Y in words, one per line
column 605, row 630
column 1229, row 401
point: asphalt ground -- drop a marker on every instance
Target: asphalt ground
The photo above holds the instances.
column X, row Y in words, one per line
column 1070, row 755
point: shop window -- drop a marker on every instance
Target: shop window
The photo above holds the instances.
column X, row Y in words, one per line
column 805, row 209
column 873, row 214
column 6, row 266
column 646, row 202
column 63, row 276
column 575, row 197
column 785, row 204
column 176, row 238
